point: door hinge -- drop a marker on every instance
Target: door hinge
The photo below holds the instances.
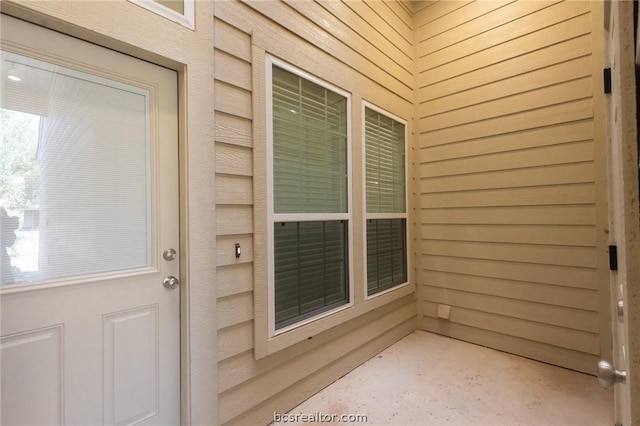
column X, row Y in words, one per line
column 607, row 80
column 613, row 258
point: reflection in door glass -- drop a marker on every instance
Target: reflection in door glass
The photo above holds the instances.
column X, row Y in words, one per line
column 19, row 194
column 74, row 173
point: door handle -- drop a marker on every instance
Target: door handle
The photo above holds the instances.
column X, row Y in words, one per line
column 609, row 376
column 171, row 282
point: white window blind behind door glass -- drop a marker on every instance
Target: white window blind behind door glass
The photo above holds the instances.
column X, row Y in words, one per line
column 92, row 163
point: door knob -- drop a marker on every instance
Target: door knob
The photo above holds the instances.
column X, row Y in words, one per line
column 609, row 376
column 171, row 282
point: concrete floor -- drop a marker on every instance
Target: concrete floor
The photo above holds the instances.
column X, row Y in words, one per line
column 426, row 379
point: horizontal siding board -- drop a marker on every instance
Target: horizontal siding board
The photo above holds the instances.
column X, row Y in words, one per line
column 529, row 43
column 562, row 174
column 308, row 31
column 483, row 109
column 547, row 195
column 233, row 219
column 555, row 355
column 541, row 117
column 234, row 160
column 232, row 40
column 233, row 130
column 439, row 10
column 552, row 75
column 570, row 235
column 580, row 341
column 236, row 309
column 225, row 249
column 545, row 16
column 492, row 144
column 569, row 297
column 419, row 5
column 292, row 396
column 575, row 152
column 235, row 340
column 507, row 177
column 252, row 392
column 521, row 215
column 235, row 278
column 380, row 33
column 340, row 21
column 457, row 18
column 584, row 257
column 232, row 371
column 576, row 319
column 232, row 189
column 557, row 53
column 466, row 23
column 232, row 70
column 254, row 368
column 232, row 100
column 397, row 18
column 564, row 276
column 314, row 49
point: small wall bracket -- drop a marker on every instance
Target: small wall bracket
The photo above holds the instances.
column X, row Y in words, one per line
column 613, row 258
column 607, row 80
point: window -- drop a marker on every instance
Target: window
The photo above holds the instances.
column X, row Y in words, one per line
column 179, row 11
column 309, row 201
column 386, row 216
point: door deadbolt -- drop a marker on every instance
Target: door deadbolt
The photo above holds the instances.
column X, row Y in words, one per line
column 169, row 254
column 609, row 376
column 171, row 282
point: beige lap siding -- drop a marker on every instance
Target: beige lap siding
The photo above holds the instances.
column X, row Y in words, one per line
column 511, row 166
column 372, row 41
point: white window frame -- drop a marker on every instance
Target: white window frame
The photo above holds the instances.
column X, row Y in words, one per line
column 273, row 217
column 367, row 216
column 186, row 20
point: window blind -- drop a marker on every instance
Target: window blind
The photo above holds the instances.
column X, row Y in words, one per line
column 386, row 254
column 310, row 176
column 309, row 146
column 385, row 163
column 311, row 269
column 386, row 193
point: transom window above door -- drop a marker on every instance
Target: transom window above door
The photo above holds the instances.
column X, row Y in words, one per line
column 179, row 11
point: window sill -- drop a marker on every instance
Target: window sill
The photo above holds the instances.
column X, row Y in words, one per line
column 307, row 330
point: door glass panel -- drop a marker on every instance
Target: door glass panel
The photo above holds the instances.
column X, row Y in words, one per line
column 74, row 173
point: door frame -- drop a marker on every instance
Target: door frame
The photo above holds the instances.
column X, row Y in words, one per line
column 109, row 25
column 629, row 215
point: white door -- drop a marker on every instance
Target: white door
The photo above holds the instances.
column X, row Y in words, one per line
column 89, row 169
column 623, row 371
